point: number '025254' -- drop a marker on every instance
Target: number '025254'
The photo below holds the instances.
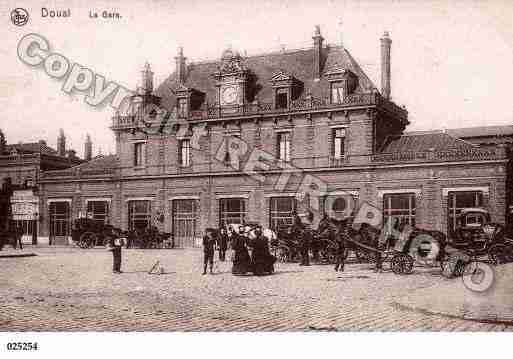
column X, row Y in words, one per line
column 22, row 346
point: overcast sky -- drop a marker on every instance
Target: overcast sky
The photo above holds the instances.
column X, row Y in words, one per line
column 451, row 60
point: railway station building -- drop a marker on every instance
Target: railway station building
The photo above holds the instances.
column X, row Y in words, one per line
column 256, row 138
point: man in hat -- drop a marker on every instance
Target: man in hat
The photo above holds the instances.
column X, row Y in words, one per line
column 299, row 232
column 208, row 250
column 222, row 244
column 116, row 239
column 340, row 252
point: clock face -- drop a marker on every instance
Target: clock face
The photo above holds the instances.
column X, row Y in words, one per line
column 229, row 95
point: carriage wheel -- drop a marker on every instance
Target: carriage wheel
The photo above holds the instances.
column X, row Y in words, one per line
column 500, row 254
column 282, row 255
column 402, row 264
column 452, row 267
column 87, row 240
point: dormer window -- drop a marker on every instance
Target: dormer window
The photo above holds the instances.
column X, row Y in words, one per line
column 182, row 108
column 282, row 98
column 338, row 91
column 343, row 82
column 286, row 88
column 187, row 100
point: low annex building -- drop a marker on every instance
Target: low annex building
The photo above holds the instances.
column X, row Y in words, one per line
column 233, row 140
column 21, row 165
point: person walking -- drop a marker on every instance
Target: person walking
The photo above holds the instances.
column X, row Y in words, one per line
column 208, row 250
column 222, row 244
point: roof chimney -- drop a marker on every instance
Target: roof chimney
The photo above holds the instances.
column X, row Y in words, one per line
column 180, row 66
column 317, row 60
column 61, row 144
column 341, row 32
column 386, row 43
column 88, row 148
column 71, row 154
column 146, row 79
column 3, row 143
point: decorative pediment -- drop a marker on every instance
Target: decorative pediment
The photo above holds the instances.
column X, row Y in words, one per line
column 282, row 78
column 338, row 73
column 181, row 89
column 231, row 63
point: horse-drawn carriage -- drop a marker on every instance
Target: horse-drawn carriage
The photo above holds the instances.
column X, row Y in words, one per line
column 88, row 232
column 476, row 238
column 402, row 246
column 366, row 242
column 285, row 247
column 149, row 238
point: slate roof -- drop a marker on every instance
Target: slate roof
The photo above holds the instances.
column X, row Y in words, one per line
column 35, row 147
column 483, row 131
column 421, row 142
column 100, row 162
column 298, row 63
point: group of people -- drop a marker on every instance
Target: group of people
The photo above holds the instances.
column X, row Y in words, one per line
column 259, row 262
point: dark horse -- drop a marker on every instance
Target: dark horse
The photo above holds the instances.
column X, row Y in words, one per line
column 330, row 229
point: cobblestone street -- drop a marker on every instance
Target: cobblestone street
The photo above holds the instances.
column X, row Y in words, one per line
column 69, row 289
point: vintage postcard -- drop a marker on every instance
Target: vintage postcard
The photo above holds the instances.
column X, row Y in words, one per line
column 241, row 166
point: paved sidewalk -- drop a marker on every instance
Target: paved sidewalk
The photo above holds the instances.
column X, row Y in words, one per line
column 454, row 299
column 71, row 289
column 9, row 252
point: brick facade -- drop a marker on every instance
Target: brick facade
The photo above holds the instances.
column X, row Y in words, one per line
column 378, row 159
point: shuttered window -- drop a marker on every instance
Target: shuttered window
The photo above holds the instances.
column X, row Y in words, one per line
column 284, row 146
column 139, row 154
column 339, row 139
column 185, row 153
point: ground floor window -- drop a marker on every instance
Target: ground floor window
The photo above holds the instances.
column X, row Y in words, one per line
column 60, row 219
column 400, row 206
column 281, row 211
column 340, row 206
column 456, row 201
column 139, row 214
column 29, row 227
column 98, row 210
column 185, row 222
column 231, row 210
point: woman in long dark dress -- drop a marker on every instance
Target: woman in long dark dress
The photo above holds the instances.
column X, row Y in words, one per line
column 262, row 259
column 241, row 258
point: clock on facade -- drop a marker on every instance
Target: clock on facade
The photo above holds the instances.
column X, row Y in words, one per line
column 229, row 95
